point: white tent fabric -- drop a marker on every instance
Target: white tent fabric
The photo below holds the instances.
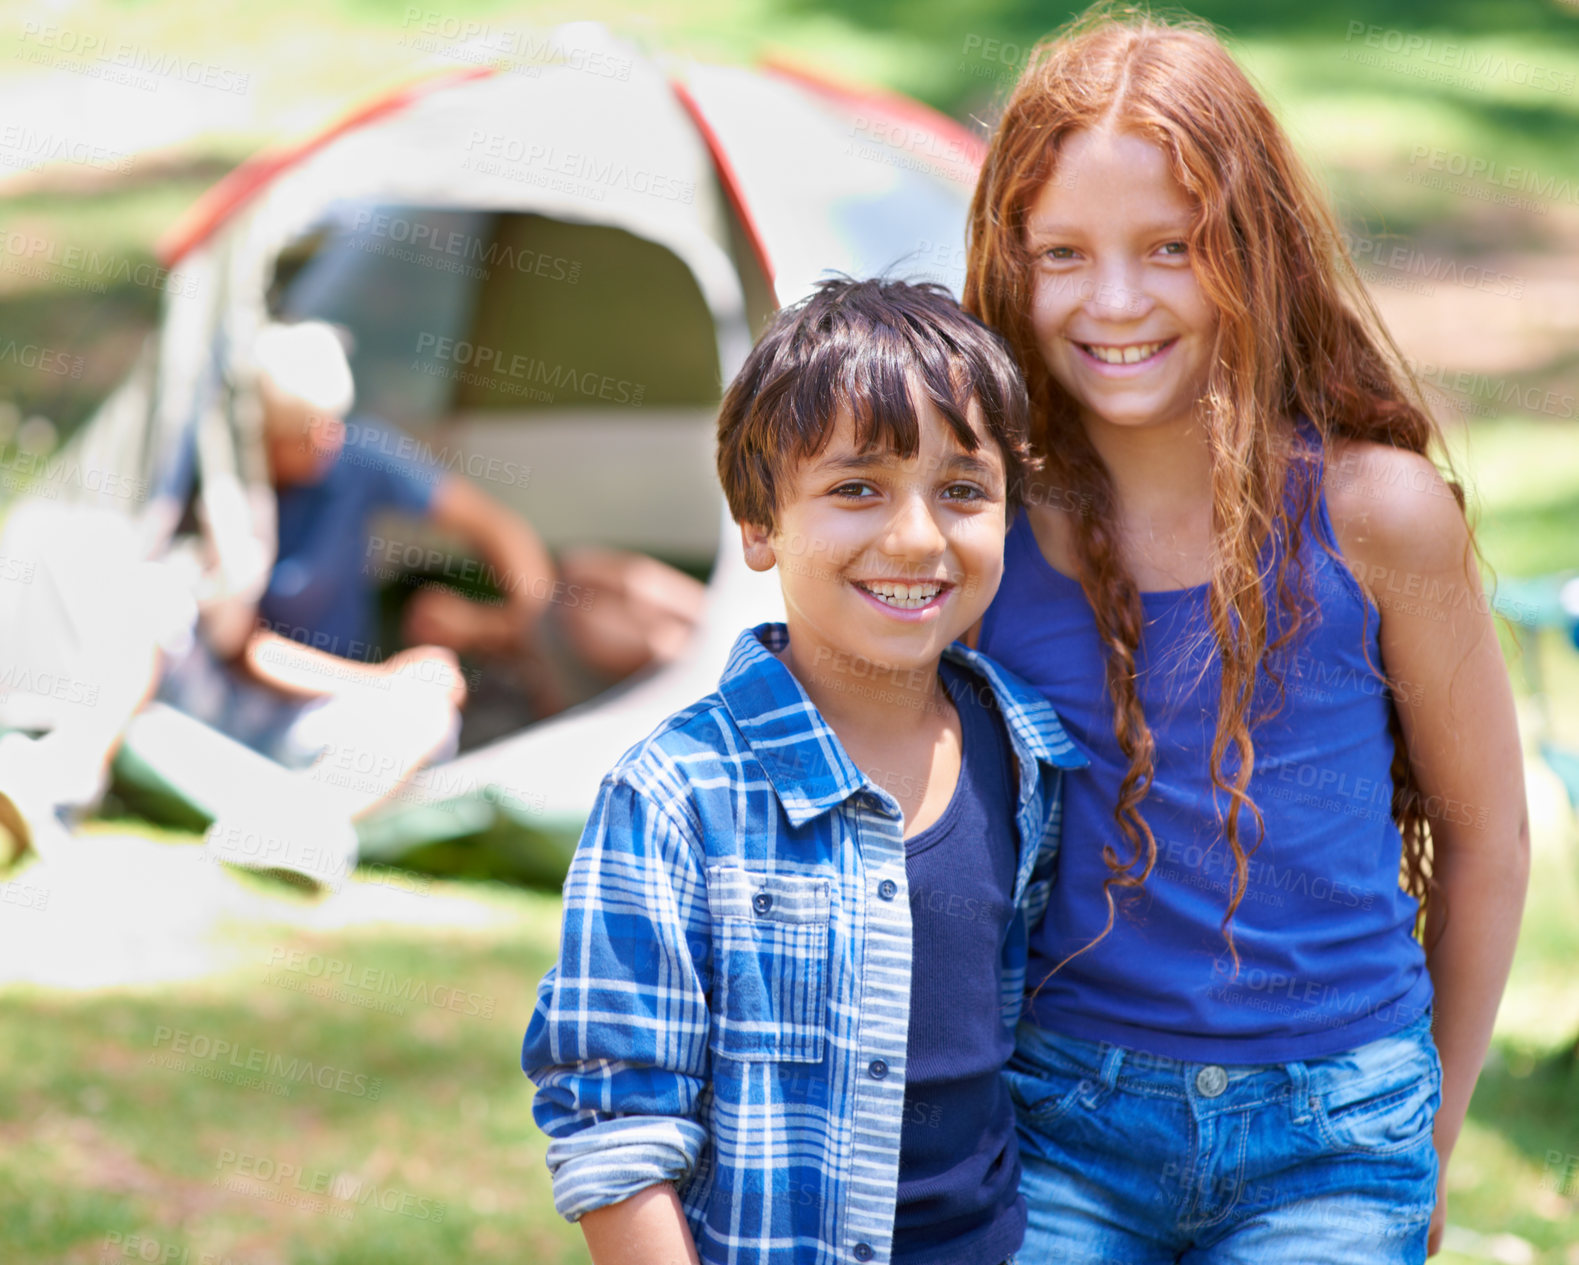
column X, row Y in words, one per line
column 712, row 164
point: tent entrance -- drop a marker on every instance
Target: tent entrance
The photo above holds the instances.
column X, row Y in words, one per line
column 570, row 370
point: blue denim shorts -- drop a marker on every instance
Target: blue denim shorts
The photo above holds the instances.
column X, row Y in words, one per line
column 1130, row 1157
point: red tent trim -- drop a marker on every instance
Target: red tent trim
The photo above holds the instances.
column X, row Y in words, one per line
column 967, row 150
column 205, row 216
column 727, row 178
column 210, row 212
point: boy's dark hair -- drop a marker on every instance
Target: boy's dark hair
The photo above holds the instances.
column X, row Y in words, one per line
column 857, row 344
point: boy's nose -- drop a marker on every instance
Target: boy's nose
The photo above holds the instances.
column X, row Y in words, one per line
column 913, row 531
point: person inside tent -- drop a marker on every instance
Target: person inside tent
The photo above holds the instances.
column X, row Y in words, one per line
column 310, row 683
column 314, row 727
column 569, row 627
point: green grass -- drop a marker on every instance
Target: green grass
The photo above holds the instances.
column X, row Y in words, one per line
column 1510, row 1172
column 100, row 1143
column 1522, row 475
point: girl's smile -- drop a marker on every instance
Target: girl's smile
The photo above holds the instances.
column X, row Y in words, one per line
column 1134, row 356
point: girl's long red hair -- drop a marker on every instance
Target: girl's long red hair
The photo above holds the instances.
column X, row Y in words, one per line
column 1297, row 334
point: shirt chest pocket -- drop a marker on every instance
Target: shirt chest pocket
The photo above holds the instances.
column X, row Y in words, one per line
column 770, row 971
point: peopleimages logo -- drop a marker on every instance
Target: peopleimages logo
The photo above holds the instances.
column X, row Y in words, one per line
column 479, row 358
column 428, row 241
column 181, row 1050
column 516, row 157
column 1440, row 57
column 28, row 255
column 128, row 64
column 364, row 444
column 1400, row 265
column 403, row 988
column 301, row 1185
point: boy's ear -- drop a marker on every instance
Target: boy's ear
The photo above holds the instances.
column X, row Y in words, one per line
column 757, row 542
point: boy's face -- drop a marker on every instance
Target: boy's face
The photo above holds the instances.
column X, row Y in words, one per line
column 886, row 560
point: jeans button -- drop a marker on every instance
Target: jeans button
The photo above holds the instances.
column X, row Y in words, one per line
column 877, row 1069
column 888, row 889
column 1210, row 1081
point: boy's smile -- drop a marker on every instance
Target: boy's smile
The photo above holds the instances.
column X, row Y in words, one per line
column 882, row 560
column 896, row 595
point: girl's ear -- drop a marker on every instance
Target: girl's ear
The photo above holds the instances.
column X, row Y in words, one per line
column 757, row 543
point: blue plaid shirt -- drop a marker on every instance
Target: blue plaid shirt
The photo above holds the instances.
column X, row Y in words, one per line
column 732, row 1001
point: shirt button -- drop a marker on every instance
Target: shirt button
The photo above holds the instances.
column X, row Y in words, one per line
column 877, row 1069
column 888, row 889
column 863, row 1252
column 1210, row 1081
column 762, row 902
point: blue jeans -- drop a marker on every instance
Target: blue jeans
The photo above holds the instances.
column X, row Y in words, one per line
column 1132, row 1158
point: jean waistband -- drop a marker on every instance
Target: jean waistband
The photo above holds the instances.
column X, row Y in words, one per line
column 1114, row 1066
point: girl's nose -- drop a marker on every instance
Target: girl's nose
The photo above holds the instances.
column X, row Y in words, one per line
column 1114, row 294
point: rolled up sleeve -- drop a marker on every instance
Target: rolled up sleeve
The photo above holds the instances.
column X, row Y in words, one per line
column 618, row 1042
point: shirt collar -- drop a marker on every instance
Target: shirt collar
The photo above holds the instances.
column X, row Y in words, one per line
column 804, row 758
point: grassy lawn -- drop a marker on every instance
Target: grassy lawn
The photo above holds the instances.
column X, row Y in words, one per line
column 244, row 1119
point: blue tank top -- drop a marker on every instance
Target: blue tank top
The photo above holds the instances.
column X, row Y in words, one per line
column 1327, row 961
column 959, row 1169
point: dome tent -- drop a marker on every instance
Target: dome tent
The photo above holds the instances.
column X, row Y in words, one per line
column 548, row 273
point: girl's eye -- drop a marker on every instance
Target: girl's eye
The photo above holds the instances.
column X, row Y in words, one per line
column 1059, row 252
column 1176, row 248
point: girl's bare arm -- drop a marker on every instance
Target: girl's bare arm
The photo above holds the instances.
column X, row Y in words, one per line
column 1407, row 542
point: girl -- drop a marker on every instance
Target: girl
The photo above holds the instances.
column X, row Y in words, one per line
column 1255, row 603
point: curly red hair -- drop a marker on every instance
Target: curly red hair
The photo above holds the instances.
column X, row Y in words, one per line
column 1296, row 335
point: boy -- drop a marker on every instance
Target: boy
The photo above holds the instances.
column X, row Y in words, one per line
column 794, row 937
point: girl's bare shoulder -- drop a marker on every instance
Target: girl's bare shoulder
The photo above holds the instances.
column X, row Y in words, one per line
column 1390, row 506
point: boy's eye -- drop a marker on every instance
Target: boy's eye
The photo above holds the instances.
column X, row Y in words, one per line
column 854, row 490
column 964, row 492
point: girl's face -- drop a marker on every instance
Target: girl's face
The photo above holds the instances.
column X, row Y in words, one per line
column 1119, row 317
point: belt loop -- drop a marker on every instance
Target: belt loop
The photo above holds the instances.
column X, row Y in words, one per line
column 1299, row 1081
column 1110, row 1066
